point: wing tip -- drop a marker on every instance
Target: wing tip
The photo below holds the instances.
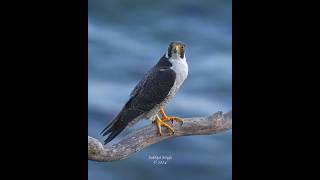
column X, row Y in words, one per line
column 112, row 135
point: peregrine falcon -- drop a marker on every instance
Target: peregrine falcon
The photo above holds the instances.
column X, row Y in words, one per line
column 152, row 93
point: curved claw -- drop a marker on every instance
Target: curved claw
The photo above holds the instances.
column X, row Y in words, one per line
column 173, row 118
column 169, row 118
column 159, row 122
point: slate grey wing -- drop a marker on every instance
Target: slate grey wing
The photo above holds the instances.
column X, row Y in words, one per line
column 148, row 93
column 139, row 85
column 155, row 89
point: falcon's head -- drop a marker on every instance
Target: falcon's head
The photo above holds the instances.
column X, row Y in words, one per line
column 176, row 50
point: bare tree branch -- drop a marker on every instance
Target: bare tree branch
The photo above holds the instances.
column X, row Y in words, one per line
column 146, row 136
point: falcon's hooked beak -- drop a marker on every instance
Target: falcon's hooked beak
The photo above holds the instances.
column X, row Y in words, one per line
column 176, row 49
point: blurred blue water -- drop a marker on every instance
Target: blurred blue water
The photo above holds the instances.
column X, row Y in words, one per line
column 128, row 37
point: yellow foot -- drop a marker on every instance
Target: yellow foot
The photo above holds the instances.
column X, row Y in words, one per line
column 169, row 118
column 160, row 123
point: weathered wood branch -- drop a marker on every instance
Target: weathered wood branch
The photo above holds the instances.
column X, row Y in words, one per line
column 146, row 136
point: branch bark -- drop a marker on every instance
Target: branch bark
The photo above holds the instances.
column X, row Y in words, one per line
column 146, row 136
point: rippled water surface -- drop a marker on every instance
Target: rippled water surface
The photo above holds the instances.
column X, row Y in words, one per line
column 126, row 38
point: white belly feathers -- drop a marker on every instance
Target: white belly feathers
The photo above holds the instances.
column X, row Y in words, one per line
column 180, row 67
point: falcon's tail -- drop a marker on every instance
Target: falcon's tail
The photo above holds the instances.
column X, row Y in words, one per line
column 119, row 124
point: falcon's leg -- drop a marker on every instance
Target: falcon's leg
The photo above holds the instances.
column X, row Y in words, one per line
column 169, row 118
column 160, row 123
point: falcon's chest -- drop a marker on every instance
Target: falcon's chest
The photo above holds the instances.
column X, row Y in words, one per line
column 180, row 67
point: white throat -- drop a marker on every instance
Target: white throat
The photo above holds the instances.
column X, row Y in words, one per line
column 180, row 66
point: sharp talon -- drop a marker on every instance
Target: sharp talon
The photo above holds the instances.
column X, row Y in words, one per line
column 159, row 122
column 162, row 122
